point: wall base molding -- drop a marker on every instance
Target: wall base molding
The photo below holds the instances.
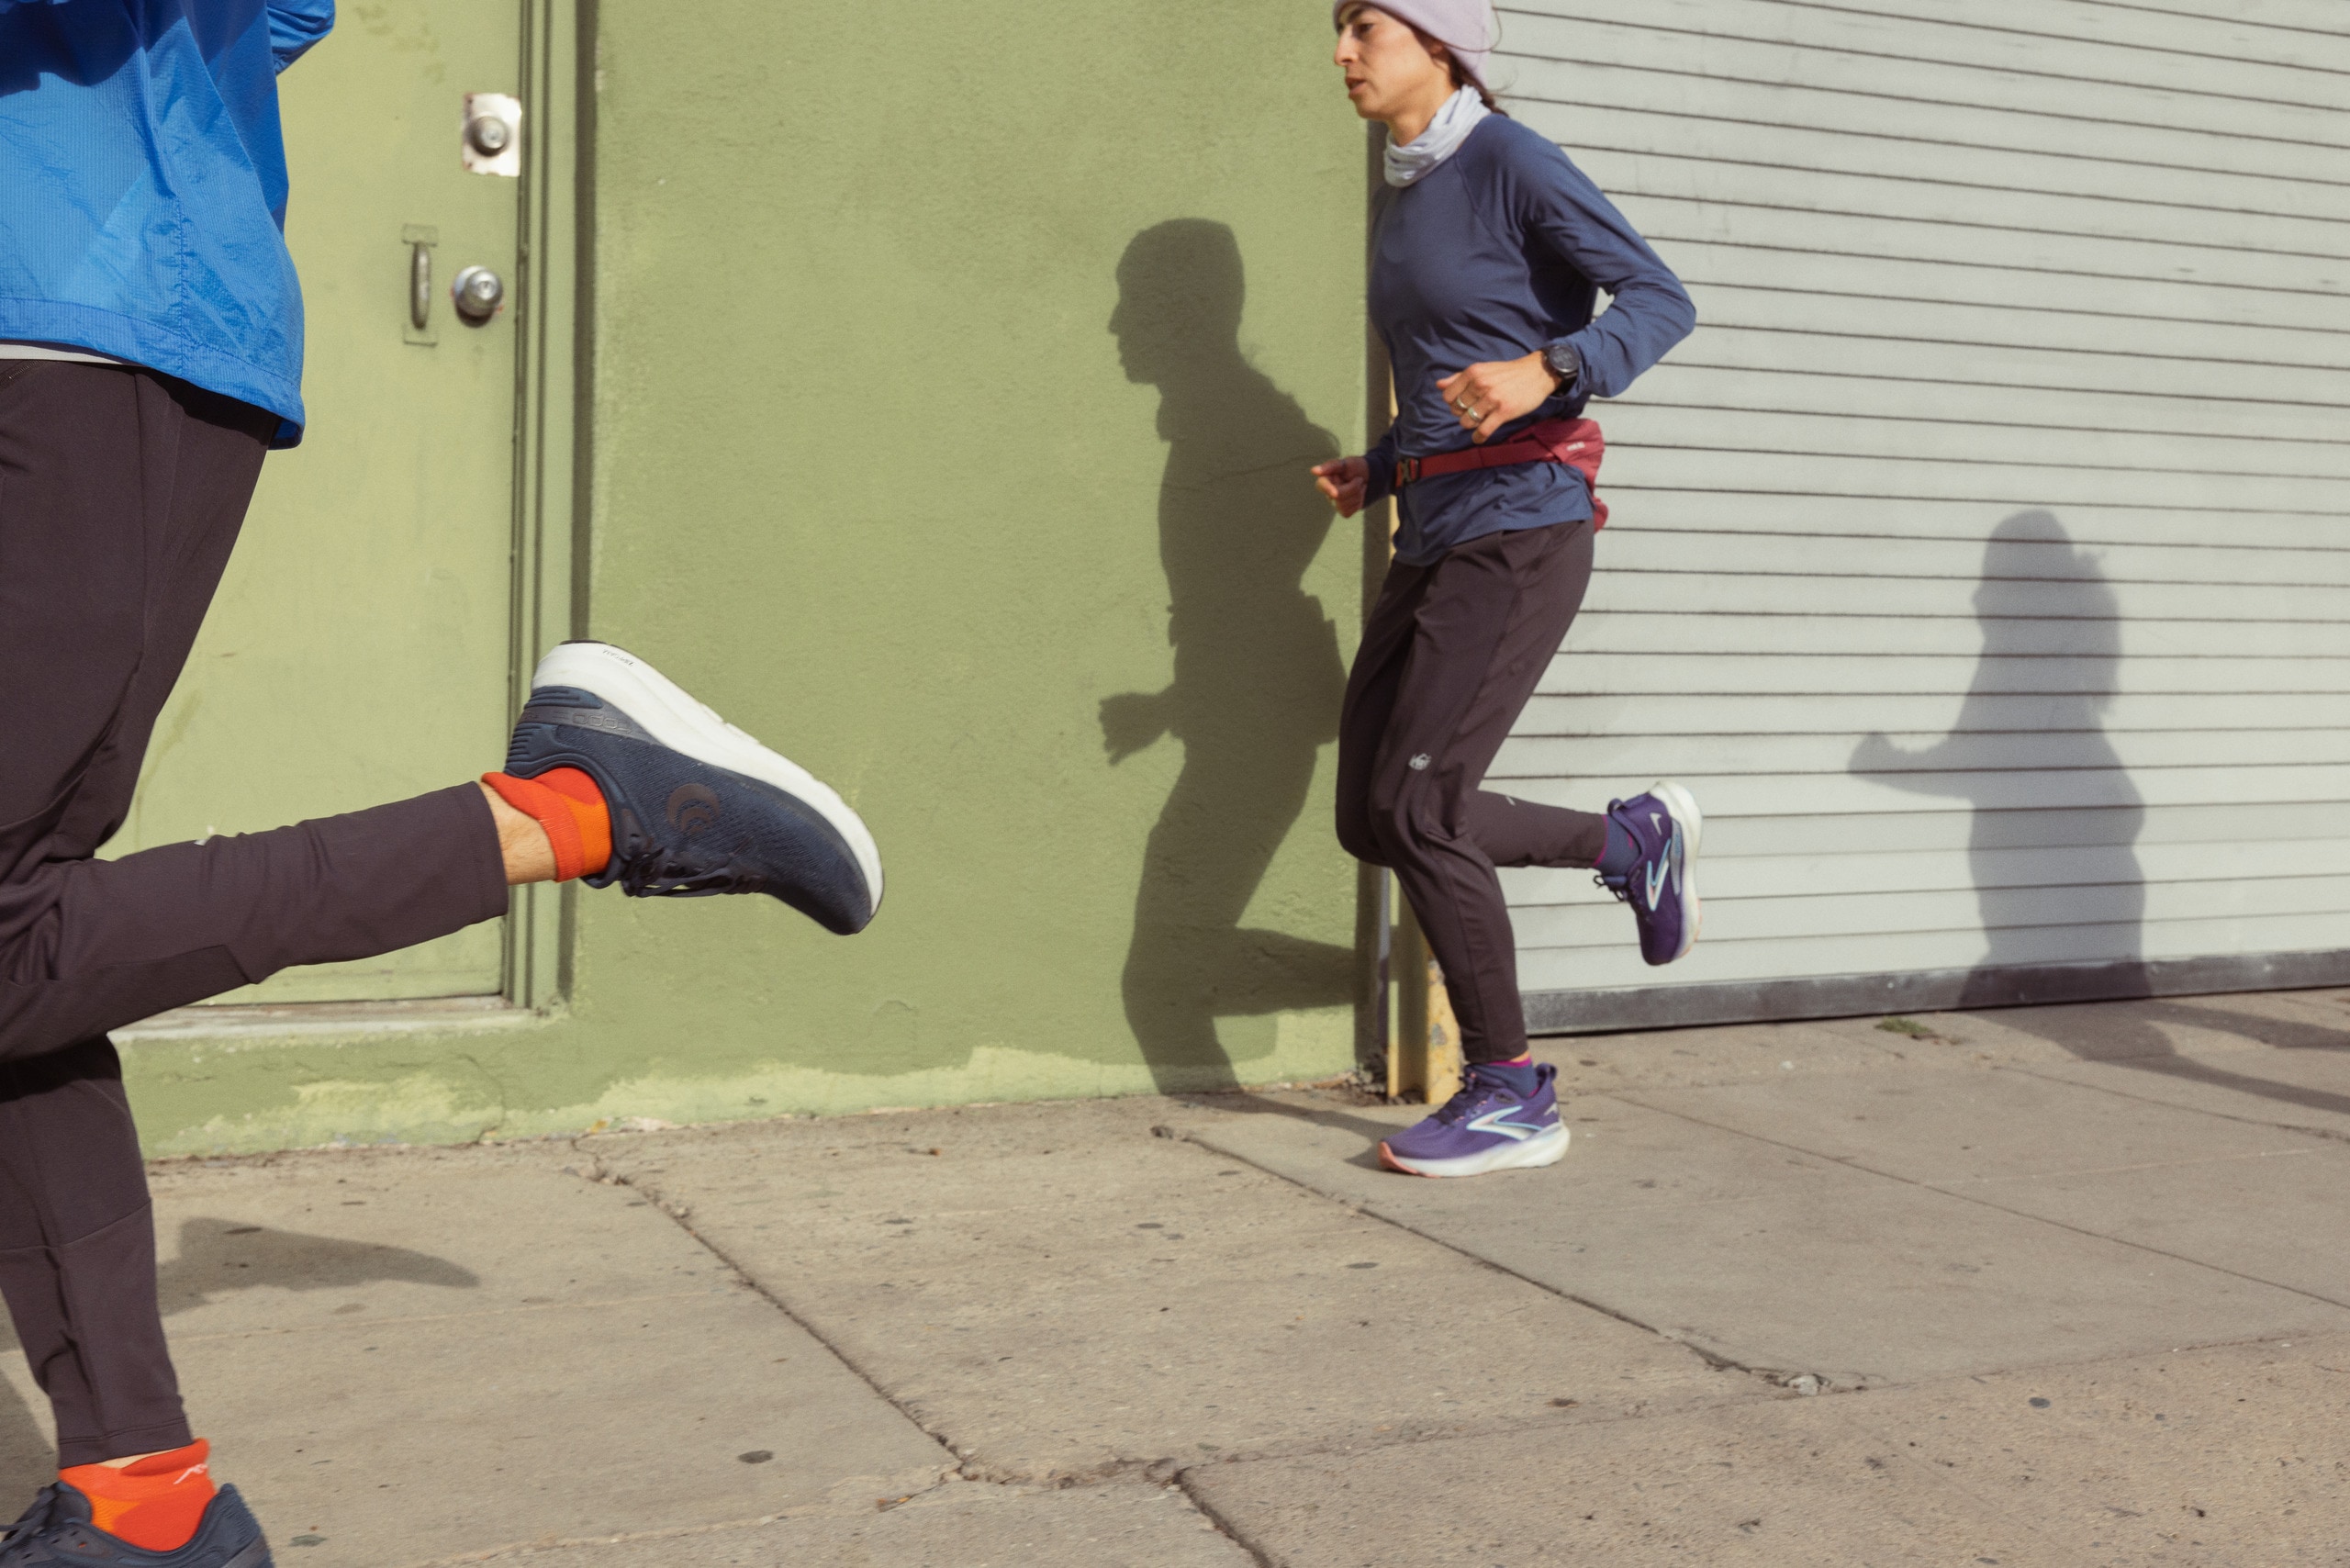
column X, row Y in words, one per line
column 1930, row 990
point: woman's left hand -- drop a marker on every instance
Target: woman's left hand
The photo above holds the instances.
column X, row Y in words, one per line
column 1486, row 397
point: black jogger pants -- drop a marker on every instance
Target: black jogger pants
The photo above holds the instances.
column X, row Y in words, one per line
column 1450, row 655
column 121, row 492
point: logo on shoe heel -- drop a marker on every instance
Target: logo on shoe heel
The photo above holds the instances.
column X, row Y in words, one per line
column 692, row 809
column 1661, row 870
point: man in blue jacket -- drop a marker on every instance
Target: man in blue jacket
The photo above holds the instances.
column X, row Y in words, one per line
column 150, row 352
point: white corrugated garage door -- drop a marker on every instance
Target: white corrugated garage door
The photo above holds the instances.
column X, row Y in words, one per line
column 1981, row 562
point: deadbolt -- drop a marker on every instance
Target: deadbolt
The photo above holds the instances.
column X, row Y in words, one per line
column 478, row 292
column 489, row 139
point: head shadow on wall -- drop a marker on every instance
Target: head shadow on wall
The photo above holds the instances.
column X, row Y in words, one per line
column 1257, row 672
column 2052, row 846
column 2029, row 752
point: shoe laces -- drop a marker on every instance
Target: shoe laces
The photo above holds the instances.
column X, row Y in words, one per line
column 17, row 1540
column 1474, row 1094
column 656, row 874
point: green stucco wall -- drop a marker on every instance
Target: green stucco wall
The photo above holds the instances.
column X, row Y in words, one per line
column 955, row 372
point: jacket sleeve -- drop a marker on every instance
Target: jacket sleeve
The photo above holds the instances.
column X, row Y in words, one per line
column 1650, row 311
column 295, row 25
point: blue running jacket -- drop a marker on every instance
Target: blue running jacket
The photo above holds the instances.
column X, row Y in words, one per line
column 143, row 187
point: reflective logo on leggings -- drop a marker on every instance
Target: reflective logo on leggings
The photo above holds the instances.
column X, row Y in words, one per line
column 1420, row 763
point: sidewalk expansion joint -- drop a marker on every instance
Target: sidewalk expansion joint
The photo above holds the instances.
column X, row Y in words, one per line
column 2330, row 1134
column 1225, row 1526
column 964, row 1466
column 1772, row 1377
column 968, row 1469
column 681, row 1215
column 1965, row 1197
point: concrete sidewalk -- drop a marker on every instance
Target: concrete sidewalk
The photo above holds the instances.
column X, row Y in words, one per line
column 2070, row 1284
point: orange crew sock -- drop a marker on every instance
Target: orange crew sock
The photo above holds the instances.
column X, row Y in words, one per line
column 154, row 1503
column 565, row 803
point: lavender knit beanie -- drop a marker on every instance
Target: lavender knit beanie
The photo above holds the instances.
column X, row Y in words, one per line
column 1467, row 28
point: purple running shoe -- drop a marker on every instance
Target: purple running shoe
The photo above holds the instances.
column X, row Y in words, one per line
column 1661, row 886
column 1490, row 1126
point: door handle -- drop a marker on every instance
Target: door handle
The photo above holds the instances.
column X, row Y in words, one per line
column 419, row 285
column 477, row 292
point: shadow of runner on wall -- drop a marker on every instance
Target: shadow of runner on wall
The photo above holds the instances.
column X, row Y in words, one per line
column 2049, row 667
column 218, row 1258
column 1257, row 676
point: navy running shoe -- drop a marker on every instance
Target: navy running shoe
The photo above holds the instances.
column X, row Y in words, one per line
column 56, row 1532
column 698, row 806
column 1662, row 885
column 1489, row 1125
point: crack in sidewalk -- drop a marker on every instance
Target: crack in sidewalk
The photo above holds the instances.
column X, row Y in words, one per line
column 2120, row 1092
column 1714, row 1359
column 1966, row 1197
column 965, row 1468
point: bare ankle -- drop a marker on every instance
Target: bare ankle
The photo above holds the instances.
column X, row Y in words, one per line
column 521, row 842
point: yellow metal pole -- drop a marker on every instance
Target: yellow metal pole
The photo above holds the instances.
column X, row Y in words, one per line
column 1422, row 1037
column 1424, row 1059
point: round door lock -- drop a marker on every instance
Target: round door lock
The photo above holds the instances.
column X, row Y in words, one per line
column 489, row 135
column 478, row 292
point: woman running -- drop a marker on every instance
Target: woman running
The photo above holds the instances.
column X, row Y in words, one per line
column 1490, row 250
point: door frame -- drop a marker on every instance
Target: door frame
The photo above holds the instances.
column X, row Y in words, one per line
column 553, row 363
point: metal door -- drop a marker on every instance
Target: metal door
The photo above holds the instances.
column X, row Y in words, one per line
column 358, row 649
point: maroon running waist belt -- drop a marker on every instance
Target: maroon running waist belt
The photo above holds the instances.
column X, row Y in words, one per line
column 1574, row 443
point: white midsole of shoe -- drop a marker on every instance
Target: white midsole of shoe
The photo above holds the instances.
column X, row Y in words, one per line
column 675, row 719
column 1543, row 1148
column 1683, row 807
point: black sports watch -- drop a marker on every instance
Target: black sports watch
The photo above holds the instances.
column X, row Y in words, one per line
column 1564, row 363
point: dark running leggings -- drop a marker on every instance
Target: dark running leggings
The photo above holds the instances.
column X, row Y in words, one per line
column 1450, row 655
column 121, row 492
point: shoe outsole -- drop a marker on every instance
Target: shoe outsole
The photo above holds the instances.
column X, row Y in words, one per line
column 672, row 716
column 1683, row 807
column 1543, row 1148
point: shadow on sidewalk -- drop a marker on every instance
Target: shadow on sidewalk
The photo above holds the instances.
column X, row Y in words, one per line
column 2132, row 1036
column 1258, row 677
column 1242, row 1103
column 218, row 1258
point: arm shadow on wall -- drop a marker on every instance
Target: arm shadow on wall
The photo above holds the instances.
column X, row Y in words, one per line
column 1257, row 672
column 218, row 1258
column 2047, row 876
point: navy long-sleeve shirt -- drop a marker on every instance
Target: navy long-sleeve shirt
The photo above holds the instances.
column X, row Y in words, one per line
column 1497, row 252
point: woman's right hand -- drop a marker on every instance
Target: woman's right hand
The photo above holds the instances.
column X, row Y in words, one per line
column 1345, row 482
